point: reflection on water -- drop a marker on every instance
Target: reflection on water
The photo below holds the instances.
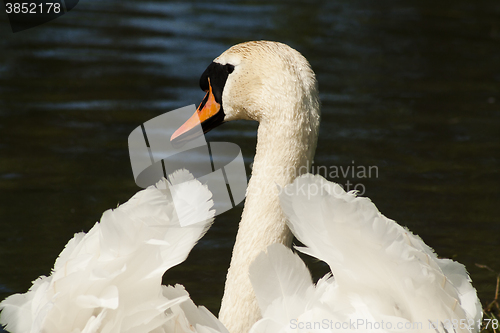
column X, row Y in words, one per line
column 411, row 89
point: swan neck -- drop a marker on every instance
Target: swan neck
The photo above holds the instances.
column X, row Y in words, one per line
column 285, row 149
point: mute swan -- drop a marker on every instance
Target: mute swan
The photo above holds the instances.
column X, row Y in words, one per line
column 273, row 84
column 381, row 271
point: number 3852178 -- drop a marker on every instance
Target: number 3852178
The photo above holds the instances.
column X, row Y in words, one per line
column 32, row 8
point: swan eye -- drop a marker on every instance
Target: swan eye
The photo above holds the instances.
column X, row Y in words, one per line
column 229, row 68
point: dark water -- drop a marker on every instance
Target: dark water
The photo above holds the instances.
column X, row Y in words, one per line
column 411, row 90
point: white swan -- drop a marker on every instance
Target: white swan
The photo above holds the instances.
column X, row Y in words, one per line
column 381, row 271
column 273, row 84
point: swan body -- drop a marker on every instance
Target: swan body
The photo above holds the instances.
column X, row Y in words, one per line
column 109, row 280
column 385, row 279
column 273, row 84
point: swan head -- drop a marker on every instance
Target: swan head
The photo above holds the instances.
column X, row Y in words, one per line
column 262, row 81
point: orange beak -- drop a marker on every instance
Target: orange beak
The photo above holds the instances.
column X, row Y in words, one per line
column 206, row 112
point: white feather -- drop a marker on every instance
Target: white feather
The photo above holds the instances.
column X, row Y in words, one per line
column 109, row 280
column 383, row 273
column 277, row 276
